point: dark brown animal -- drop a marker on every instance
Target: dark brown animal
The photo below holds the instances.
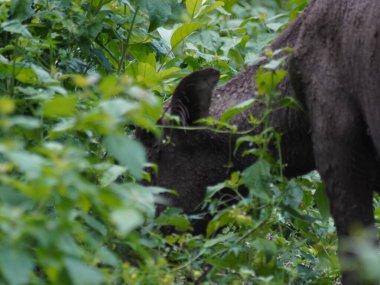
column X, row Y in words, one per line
column 335, row 73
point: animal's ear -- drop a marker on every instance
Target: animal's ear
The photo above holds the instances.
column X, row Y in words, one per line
column 192, row 97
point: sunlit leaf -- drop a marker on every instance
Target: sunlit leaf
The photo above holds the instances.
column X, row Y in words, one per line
column 7, row 105
column 193, row 6
column 208, row 8
column 60, row 106
column 183, row 32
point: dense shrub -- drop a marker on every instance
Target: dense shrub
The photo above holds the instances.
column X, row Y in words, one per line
column 76, row 78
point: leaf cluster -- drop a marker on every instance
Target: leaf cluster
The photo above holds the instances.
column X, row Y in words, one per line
column 76, row 78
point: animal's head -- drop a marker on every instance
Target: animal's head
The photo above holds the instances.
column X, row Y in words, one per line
column 189, row 160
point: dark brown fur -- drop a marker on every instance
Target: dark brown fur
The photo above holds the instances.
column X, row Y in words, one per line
column 335, row 73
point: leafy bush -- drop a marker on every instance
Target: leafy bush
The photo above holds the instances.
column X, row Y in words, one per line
column 76, row 78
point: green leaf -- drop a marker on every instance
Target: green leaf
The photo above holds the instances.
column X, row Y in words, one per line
column 127, row 152
column 21, row 9
column 42, row 75
column 322, row 202
column 228, row 4
column 126, row 220
column 60, row 106
column 222, row 219
column 27, row 75
column 257, row 178
column 297, row 214
column 291, row 102
column 16, row 266
column 26, row 122
column 117, row 107
column 275, row 64
column 15, row 26
column 165, row 35
column 167, row 73
column 82, row 274
column 102, row 59
column 158, row 11
column 174, row 217
column 267, row 81
column 193, row 7
column 29, row 163
column 218, row 240
column 107, row 256
column 95, row 224
column 144, row 73
column 182, row 32
column 208, row 8
column 230, row 113
column 111, row 174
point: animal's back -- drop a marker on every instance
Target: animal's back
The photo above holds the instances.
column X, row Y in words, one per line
column 338, row 49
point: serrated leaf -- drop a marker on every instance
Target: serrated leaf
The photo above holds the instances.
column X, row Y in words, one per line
column 183, row 32
column 193, row 6
column 257, row 178
column 127, row 152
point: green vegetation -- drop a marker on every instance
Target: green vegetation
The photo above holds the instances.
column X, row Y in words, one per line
column 75, row 78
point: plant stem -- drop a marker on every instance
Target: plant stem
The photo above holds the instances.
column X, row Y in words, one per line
column 125, row 47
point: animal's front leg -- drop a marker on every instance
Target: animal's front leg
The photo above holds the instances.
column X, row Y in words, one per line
column 345, row 159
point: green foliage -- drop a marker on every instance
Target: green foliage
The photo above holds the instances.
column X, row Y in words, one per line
column 75, row 77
